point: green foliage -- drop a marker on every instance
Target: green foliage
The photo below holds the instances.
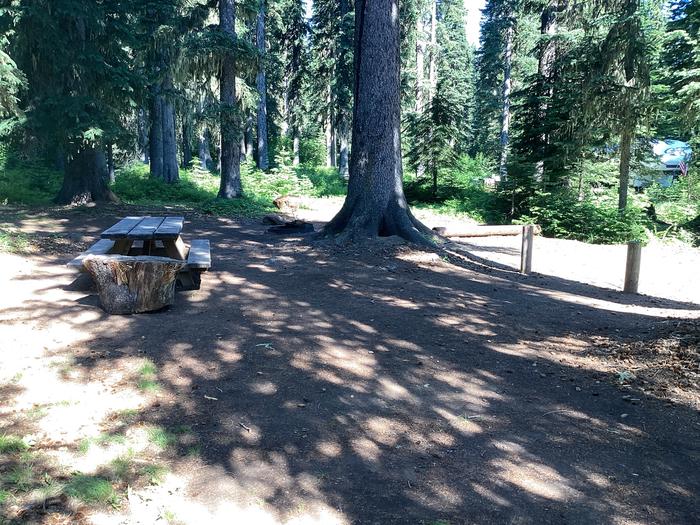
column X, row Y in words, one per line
column 461, row 191
column 325, row 182
column 312, row 151
column 30, row 183
column 563, row 215
column 11, row 81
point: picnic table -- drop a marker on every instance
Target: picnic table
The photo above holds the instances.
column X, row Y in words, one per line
column 153, row 236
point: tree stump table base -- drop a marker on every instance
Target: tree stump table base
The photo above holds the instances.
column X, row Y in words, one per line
column 128, row 284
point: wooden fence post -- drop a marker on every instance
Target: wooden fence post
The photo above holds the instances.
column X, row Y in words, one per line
column 634, row 261
column 526, row 251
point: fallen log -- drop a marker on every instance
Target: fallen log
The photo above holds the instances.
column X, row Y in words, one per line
column 477, row 230
column 128, row 285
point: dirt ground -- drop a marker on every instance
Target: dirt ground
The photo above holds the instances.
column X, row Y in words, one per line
column 306, row 383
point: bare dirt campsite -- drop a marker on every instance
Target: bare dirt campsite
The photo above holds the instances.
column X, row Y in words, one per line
column 310, row 383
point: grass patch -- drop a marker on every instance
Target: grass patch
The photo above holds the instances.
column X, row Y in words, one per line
column 21, row 477
column 13, row 242
column 128, row 416
column 194, row 451
column 101, row 440
column 92, row 489
column 123, row 466
column 154, row 474
column 161, row 438
column 148, row 380
column 12, row 444
column 4, row 496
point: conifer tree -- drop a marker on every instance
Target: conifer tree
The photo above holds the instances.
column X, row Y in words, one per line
column 80, row 79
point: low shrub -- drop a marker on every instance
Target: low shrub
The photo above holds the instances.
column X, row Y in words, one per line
column 563, row 215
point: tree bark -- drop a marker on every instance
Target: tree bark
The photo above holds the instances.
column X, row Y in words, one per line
column 186, row 141
column 548, row 29
column 343, row 163
column 626, row 138
column 129, row 285
column 143, row 135
column 507, row 86
column 110, row 163
column 296, row 146
column 420, row 79
column 85, row 178
column 375, row 204
column 330, row 134
column 230, row 159
column 155, row 138
column 260, row 81
column 205, row 159
column 248, row 135
column 162, row 138
column 171, row 170
column 433, row 73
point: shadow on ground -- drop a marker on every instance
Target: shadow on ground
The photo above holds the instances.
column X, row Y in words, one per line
column 397, row 389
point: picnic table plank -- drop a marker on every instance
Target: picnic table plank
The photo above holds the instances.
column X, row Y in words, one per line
column 121, row 229
column 170, row 228
column 146, row 229
column 200, row 255
column 101, row 247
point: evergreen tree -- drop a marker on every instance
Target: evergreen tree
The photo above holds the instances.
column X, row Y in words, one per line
column 441, row 133
column 80, row 80
column 681, row 61
column 11, row 81
column 261, row 86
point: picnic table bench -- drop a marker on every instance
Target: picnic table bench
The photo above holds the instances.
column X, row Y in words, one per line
column 156, row 237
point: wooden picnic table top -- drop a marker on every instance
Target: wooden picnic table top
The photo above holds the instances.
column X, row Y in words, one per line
column 145, row 228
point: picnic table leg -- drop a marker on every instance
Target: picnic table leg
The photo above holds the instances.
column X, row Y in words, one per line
column 176, row 249
column 122, row 246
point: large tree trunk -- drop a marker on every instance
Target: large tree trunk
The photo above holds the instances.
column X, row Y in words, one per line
column 230, row 155
column 155, row 137
column 186, row 140
column 330, row 132
column 248, row 135
column 171, row 170
column 143, row 136
column 420, row 79
column 110, row 163
column 296, row 146
column 433, row 73
column 344, row 132
column 263, row 161
column 375, row 203
column 625, row 157
column 205, row 159
column 162, row 138
column 548, row 29
column 85, row 178
column 507, row 86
